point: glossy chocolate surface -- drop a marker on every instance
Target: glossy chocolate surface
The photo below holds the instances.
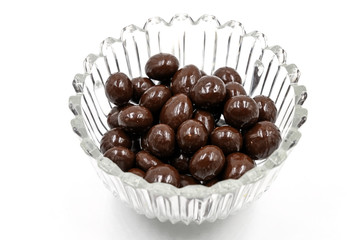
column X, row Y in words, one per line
column 145, row 160
column 191, row 135
column 267, row 108
column 211, row 182
column 206, row 118
column 135, row 119
column 176, row 110
column 138, row 172
column 262, row 140
column 180, row 161
column 121, row 156
column 160, row 140
column 140, row 85
column 155, row 97
column 208, row 92
column 163, row 173
column 234, row 89
column 118, row 89
column 227, row 138
column 186, row 180
column 113, row 115
column 184, row 79
column 236, row 165
column 228, row 74
column 241, row 111
column 114, row 138
column 207, row 163
column 161, row 66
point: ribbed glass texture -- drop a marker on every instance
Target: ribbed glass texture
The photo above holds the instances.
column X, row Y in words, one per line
column 209, row 45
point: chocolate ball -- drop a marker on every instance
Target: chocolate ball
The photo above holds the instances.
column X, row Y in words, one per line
column 113, row 115
column 186, row 180
column 236, row 165
column 161, row 66
column 191, row 135
column 115, row 137
column 267, row 108
column 118, row 89
column 234, row 89
column 206, row 118
column 135, row 119
column 262, row 140
column 163, row 173
column 180, row 161
column 228, row 74
column 207, row 163
column 145, row 160
column 176, row 110
column 184, row 79
column 227, row 138
column 160, row 140
column 122, row 157
column 140, row 85
column 241, row 111
column 155, row 97
column 208, row 92
column 138, row 172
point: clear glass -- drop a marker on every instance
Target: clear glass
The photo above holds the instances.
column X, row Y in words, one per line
column 209, row 45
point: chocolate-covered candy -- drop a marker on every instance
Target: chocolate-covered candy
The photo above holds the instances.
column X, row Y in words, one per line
column 161, row 66
column 135, row 119
column 184, row 79
column 145, row 160
column 140, row 85
column 176, row 110
column 113, row 115
column 267, row 108
column 191, row 135
column 227, row 138
column 208, row 92
column 211, row 182
column 234, row 89
column 121, row 156
column 186, row 180
column 262, row 140
column 228, row 74
column 207, row 163
column 160, row 140
column 118, row 89
column 206, row 118
column 114, row 138
column 164, row 173
column 155, row 97
column 236, row 165
column 180, row 161
column 138, row 172
column 241, row 111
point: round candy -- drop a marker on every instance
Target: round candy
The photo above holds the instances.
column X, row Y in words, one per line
column 184, row 79
column 241, row 111
column 181, row 162
column 140, row 85
column 160, row 140
column 135, row 119
column 118, row 89
column 161, row 66
column 191, row 135
column 186, row 180
column 114, row 138
column 138, row 172
column 155, row 97
column 208, row 92
column 234, row 89
column 236, row 165
column 145, row 160
column 227, row 138
column 267, row 108
column 163, row 173
column 205, row 118
column 228, row 74
column 112, row 117
column 207, row 163
column 262, row 140
column 121, row 156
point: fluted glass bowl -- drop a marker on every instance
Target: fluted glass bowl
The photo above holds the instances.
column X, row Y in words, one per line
column 209, row 45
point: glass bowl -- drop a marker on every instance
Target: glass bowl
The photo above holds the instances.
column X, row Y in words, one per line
column 209, row 45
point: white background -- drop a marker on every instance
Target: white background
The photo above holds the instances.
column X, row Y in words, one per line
column 48, row 190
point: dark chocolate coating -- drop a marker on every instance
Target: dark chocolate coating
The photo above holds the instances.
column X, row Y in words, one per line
column 205, row 118
column 208, row 92
column 163, row 173
column 267, row 108
column 184, row 79
column 262, row 140
column 135, row 119
column 160, row 140
column 112, row 117
column 241, row 111
column 180, row 161
column 121, row 156
column 161, row 66
column 140, row 85
column 234, row 89
column 115, row 137
column 236, row 165
column 145, row 160
column 207, row 163
column 228, row 74
column 227, row 138
column 155, row 97
column 186, row 180
column 138, row 172
column 191, row 135
column 118, row 89
column 211, row 182
column 176, row 110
